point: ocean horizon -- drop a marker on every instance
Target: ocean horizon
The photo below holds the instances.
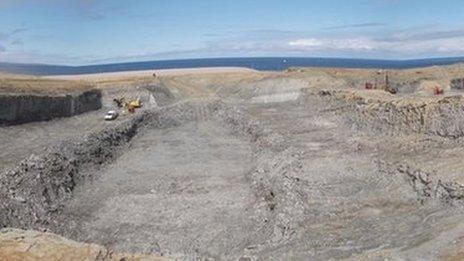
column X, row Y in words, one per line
column 257, row 63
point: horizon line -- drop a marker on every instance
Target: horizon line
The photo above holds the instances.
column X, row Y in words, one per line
column 241, row 57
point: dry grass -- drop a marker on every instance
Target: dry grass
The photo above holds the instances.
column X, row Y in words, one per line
column 10, row 83
column 206, row 80
column 439, row 73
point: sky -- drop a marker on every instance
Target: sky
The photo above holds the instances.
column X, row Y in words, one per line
column 80, row 32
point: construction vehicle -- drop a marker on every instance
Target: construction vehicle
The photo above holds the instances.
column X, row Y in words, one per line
column 386, row 86
column 135, row 103
column 437, row 90
column 120, row 102
column 128, row 106
column 111, row 115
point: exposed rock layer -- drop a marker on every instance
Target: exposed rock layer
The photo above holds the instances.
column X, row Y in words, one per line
column 23, row 108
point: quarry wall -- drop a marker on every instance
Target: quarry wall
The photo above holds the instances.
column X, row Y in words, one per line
column 457, row 84
column 441, row 116
column 23, row 108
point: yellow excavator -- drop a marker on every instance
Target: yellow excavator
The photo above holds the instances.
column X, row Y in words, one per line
column 128, row 106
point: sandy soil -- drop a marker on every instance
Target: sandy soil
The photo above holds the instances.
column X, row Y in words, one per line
column 148, row 73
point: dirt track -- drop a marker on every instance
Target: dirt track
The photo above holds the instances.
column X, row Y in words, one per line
column 281, row 167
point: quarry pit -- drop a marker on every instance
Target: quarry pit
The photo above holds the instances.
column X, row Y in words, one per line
column 296, row 165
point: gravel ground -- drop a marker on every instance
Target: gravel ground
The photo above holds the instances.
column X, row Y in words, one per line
column 316, row 189
column 20, row 141
column 276, row 178
column 179, row 190
column 350, row 204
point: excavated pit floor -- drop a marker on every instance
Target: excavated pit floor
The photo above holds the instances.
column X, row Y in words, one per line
column 20, row 141
column 187, row 192
column 176, row 190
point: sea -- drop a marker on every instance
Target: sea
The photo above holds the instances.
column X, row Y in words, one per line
column 257, row 63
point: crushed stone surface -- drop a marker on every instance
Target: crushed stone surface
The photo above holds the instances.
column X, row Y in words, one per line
column 270, row 172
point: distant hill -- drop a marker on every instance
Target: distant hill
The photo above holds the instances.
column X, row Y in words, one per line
column 270, row 63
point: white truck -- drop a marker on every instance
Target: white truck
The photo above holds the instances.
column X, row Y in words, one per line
column 111, row 115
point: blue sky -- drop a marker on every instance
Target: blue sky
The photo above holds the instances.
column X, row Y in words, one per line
column 77, row 32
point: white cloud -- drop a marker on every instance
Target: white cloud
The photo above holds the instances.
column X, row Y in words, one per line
column 310, row 44
column 404, row 44
column 306, row 43
column 362, row 47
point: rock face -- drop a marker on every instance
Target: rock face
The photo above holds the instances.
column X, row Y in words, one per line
column 17, row 109
column 441, row 115
column 18, row 244
column 457, row 84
